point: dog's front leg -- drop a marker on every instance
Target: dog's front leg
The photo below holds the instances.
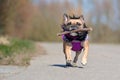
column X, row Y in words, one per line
column 85, row 55
column 67, row 51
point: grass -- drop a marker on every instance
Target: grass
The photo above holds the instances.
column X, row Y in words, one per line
column 18, row 52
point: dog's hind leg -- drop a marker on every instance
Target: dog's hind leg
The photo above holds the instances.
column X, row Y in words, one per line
column 76, row 58
column 85, row 55
column 67, row 51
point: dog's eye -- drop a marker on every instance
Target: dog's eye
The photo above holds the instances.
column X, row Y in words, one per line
column 69, row 23
column 78, row 23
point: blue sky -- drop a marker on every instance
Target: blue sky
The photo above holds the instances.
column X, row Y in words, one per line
column 86, row 3
column 37, row 1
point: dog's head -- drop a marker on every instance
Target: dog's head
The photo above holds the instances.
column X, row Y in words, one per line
column 73, row 22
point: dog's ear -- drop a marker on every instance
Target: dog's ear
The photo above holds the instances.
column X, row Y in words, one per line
column 65, row 17
column 82, row 19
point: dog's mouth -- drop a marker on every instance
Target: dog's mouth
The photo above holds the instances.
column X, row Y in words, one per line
column 73, row 27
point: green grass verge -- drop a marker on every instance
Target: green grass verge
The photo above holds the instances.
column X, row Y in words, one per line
column 18, row 52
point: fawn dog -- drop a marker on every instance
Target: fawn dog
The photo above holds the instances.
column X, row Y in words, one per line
column 76, row 41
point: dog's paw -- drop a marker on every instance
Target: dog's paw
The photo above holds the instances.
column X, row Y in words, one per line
column 84, row 62
column 74, row 64
column 69, row 63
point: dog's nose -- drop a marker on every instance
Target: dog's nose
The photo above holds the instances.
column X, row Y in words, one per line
column 73, row 27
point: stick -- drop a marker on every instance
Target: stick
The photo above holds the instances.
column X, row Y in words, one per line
column 67, row 32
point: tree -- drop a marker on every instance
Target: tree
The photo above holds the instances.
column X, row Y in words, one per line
column 15, row 17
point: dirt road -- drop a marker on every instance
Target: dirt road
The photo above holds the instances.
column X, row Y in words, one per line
column 103, row 64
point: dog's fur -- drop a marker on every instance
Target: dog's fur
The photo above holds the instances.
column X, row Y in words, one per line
column 68, row 20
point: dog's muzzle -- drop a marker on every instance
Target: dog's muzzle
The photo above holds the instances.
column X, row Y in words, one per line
column 73, row 28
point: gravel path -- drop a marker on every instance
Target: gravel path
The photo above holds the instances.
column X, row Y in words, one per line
column 103, row 64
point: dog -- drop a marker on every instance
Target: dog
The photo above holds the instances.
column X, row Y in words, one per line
column 75, row 40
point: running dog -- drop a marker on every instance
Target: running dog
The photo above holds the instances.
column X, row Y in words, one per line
column 76, row 41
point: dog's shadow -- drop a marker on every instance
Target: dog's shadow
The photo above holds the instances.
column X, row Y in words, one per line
column 64, row 66
column 59, row 65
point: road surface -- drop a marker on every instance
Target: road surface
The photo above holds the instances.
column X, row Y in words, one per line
column 103, row 64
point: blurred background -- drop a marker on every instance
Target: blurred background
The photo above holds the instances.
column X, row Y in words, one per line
column 40, row 20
